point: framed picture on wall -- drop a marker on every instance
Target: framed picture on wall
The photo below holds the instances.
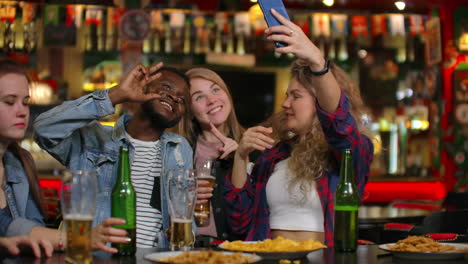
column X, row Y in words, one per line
column 433, row 41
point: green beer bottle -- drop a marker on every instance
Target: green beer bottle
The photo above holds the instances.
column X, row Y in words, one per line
column 124, row 204
column 346, row 207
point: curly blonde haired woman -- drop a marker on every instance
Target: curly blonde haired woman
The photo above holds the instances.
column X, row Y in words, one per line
column 290, row 190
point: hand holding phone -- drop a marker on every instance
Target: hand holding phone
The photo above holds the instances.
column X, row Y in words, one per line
column 266, row 6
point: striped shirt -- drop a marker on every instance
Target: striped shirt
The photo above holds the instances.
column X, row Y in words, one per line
column 146, row 165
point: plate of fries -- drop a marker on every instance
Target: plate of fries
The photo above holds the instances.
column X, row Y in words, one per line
column 419, row 247
column 278, row 248
column 202, row 256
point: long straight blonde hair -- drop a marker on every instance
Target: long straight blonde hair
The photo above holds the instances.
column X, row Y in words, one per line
column 190, row 127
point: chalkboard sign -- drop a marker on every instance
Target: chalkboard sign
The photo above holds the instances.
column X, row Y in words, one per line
column 59, row 35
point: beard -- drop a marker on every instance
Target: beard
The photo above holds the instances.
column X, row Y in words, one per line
column 156, row 118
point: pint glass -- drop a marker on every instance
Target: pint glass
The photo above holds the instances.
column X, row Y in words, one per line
column 78, row 199
column 181, row 191
column 202, row 211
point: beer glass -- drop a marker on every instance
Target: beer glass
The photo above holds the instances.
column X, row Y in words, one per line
column 181, row 191
column 78, row 198
column 202, row 211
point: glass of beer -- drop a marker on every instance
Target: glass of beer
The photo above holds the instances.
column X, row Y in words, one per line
column 181, row 191
column 78, row 194
column 202, row 210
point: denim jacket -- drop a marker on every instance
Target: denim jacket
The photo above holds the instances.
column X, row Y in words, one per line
column 25, row 213
column 71, row 133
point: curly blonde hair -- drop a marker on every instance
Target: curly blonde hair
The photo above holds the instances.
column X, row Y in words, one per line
column 311, row 154
column 190, row 128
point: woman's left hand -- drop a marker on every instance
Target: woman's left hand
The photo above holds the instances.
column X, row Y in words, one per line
column 229, row 144
column 104, row 233
column 13, row 244
column 298, row 43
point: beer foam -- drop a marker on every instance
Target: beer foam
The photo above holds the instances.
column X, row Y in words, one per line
column 78, row 217
column 179, row 220
column 202, row 177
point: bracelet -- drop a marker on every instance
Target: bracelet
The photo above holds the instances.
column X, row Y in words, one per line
column 61, row 245
column 323, row 71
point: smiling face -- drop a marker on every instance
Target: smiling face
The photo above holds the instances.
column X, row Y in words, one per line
column 299, row 107
column 166, row 111
column 14, row 106
column 210, row 103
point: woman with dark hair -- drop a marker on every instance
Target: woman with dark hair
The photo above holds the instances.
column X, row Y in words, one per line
column 21, row 212
column 290, row 191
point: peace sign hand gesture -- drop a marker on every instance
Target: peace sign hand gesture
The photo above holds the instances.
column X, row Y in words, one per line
column 132, row 88
column 229, row 144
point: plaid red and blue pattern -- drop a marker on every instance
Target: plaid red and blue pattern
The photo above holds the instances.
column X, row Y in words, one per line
column 247, row 207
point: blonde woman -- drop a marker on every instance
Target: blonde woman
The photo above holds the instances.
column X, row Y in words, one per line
column 290, row 190
column 213, row 131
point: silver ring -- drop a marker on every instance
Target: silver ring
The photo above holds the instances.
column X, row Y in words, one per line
column 291, row 32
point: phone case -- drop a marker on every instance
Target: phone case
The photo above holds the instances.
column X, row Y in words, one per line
column 266, row 6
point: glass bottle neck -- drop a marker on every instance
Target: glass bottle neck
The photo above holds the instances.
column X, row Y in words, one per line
column 124, row 167
column 346, row 170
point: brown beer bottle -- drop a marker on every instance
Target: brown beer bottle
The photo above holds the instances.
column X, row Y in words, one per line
column 124, row 204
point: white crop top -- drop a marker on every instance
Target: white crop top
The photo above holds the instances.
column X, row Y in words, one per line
column 289, row 211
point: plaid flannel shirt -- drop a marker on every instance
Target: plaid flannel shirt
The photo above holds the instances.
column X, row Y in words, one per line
column 247, row 207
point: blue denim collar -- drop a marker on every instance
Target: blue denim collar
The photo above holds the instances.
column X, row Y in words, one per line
column 13, row 168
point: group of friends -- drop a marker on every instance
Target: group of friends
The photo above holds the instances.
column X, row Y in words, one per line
column 274, row 179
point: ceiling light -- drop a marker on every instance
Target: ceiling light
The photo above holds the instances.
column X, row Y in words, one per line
column 400, row 5
column 328, row 2
column 253, row 1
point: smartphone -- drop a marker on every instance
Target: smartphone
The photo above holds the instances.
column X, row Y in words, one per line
column 266, row 6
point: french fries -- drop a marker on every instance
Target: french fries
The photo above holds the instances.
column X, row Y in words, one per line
column 420, row 244
column 208, row 257
column 278, row 244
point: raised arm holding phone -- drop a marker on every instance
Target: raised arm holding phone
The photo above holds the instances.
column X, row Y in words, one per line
column 290, row 190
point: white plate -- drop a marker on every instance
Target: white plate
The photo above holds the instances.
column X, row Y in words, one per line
column 428, row 255
column 273, row 254
column 159, row 257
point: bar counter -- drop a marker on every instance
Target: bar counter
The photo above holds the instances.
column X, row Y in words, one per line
column 366, row 254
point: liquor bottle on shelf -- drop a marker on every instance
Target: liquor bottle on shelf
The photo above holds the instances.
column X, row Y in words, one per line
column 167, row 38
column 27, row 38
column 218, row 48
column 230, row 39
column 209, row 38
column 240, row 49
column 101, row 37
column 124, row 204
column 93, row 36
column 197, row 45
column 332, row 49
column 2, row 34
column 110, row 39
column 321, row 45
column 187, row 37
column 147, row 43
column 342, row 49
column 88, row 39
column 156, row 41
column 117, row 40
column 19, row 36
column 346, row 207
column 177, row 40
column 8, row 37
